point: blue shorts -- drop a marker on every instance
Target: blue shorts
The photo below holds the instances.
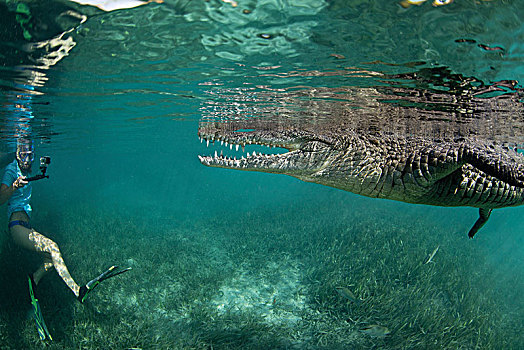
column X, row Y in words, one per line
column 19, row 222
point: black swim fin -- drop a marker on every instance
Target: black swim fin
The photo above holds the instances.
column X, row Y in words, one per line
column 110, row 272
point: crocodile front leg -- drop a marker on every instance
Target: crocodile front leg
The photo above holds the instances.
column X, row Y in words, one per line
column 483, row 217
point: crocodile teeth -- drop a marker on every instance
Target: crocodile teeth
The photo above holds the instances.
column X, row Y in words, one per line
column 222, row 159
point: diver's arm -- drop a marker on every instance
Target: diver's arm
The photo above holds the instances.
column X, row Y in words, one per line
column 7, row 191
column 6, row 158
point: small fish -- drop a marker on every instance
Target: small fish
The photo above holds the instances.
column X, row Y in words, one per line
column 432, row 255
column 375, row 331
column 346, row 293
column 487, row 48
column 337, row 56
column 465, row 40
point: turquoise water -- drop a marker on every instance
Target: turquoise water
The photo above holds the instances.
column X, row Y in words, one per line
column 227, row 259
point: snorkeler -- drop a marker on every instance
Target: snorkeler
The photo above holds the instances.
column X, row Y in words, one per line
column 17, row 190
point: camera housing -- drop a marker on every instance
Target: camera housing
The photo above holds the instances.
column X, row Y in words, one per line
column 44, row 162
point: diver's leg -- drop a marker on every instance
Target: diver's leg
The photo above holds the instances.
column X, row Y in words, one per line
column 32, row 240
column 43, row 269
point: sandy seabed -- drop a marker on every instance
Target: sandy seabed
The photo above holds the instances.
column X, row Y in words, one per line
column 266, row 279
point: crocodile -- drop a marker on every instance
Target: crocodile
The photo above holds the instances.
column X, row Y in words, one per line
column 450, row 171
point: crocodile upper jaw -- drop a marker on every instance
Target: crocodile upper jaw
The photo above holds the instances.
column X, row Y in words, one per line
column 302, row 158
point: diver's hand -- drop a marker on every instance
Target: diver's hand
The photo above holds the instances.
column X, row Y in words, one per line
column 20, row 182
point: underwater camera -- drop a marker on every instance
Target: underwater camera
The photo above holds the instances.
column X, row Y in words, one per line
column 44, row 162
